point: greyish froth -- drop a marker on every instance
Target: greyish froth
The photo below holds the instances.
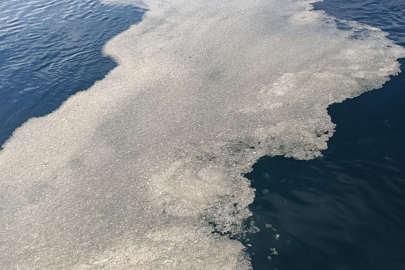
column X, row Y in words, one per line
column 132, row 173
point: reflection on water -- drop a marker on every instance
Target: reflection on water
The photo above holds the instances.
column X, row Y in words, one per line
column 50, row 50
column 345, row 210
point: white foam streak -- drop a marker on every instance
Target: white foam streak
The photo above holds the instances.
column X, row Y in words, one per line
column 131, row 173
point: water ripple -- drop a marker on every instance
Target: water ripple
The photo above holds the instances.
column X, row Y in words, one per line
column 50, row 50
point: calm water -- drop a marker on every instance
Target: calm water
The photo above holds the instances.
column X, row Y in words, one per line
column 51, row 49
column 347, row 209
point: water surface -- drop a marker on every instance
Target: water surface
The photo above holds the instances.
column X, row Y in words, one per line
column 49, row 50
column 345, row 210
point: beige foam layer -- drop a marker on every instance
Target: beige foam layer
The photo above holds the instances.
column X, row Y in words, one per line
column 131, row 173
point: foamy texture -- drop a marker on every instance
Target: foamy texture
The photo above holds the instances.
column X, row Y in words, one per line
column 132, row 173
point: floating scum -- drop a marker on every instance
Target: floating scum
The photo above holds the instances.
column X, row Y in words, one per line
column 134, row 172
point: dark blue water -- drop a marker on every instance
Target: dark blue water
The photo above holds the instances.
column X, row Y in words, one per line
column 49, row 50
column 345, row 210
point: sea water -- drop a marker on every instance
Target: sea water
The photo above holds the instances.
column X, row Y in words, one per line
column 49, row 50
column 141, row 169
column 346, row 209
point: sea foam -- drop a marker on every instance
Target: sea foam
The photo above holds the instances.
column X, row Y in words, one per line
column 139, row 170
